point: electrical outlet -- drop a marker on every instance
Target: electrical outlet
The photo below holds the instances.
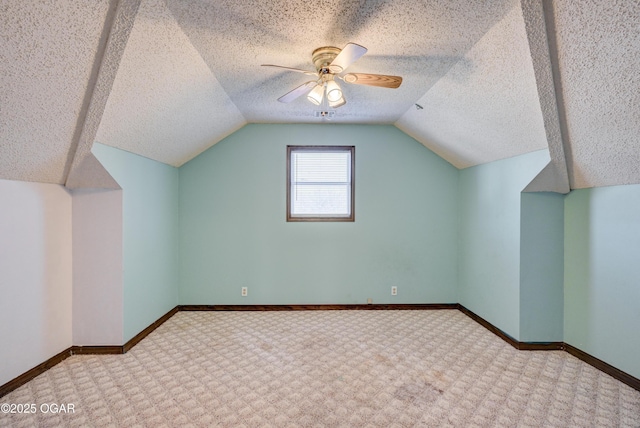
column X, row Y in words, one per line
column 394, row 290
column 369, row 301
column 244, row 292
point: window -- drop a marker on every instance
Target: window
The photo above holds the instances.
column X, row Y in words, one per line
column 320, row 183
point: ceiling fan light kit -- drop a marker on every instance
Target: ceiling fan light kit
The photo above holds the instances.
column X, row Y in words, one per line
column 334, row 93
column 329, row 62
column 316, row 95
column 338, row 103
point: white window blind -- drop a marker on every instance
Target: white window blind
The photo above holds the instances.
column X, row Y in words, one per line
column 320, row 183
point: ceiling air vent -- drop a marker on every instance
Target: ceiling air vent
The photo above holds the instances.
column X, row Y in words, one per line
column 325, row 114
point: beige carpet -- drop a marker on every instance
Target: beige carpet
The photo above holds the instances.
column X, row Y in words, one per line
column 327, row 368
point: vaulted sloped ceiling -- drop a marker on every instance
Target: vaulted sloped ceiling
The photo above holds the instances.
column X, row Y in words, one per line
column 598, row 55
column 486, row 107
column 168, row 79
column 47, row 55
column 165, row 104
column 419, row 41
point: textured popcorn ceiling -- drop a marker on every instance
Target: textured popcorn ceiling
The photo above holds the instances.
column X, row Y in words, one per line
column 419, row 41
column 86, row 171
column 599, row 63
column 47, row 51
column 554, row 177
column 165, row 103
column 167, row 80
column 486, row 107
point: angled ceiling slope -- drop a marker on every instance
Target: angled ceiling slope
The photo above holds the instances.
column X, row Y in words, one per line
column 85, row 170
column 419, row 41
column 165, row 103
column 597, row 47
column 47, row 59
column 486, row 107
column 187, row 73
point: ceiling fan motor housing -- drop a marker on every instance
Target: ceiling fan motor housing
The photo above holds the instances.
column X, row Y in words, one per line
column 324, row 56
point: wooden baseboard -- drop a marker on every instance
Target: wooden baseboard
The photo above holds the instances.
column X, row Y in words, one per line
column 36, row 371
column 73, row 350
column 623, row 377
column 522, row 346
column 492, row 328
column 541, row 346
column 80, row 350
column 607, row 368
column 325, row 307
column 144, row 333
column 96, row 349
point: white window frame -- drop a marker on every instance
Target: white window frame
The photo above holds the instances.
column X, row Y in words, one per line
column 351, row 150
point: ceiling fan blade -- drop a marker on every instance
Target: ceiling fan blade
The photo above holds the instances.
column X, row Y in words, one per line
column 311, row 73
column 347, row 56
column 300, row 90
column 381, row 80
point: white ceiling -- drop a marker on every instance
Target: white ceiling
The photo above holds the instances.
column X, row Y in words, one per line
column 495, row 79
column 419, row 41
column 599, row 64
column 165, row 103
column 47, row 51
column 491, row 89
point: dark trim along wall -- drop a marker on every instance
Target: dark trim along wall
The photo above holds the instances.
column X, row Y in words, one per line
column 77, row 350
column 524, row 346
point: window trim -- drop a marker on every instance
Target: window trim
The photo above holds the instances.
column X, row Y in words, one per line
column 352, row 150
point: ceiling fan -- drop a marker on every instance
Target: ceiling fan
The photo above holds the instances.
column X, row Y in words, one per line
column 330, row 63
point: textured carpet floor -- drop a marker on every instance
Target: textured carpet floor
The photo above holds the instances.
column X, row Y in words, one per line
column 327, row 368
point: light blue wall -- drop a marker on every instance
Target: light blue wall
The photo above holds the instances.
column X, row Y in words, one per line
column 541, row 267
column 150, row 235
column 233, row 231
column 602, row 274
column 489, row 237
column 439, row 234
